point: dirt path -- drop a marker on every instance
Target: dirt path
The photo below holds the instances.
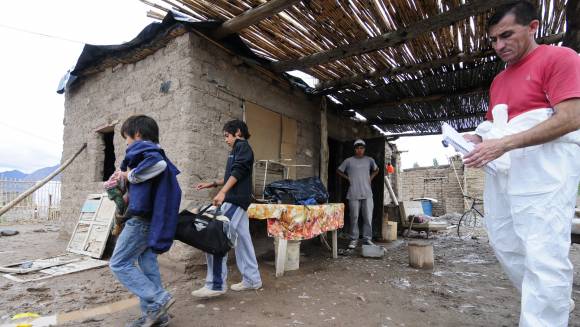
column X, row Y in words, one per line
column 467, row 288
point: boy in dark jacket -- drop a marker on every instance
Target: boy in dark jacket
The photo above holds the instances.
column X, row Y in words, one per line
column 234, row 199
column 154, row 198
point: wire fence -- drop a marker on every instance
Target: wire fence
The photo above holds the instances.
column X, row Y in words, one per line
column 43, row 204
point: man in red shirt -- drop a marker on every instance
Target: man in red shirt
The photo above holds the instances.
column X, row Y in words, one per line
column 529, row 227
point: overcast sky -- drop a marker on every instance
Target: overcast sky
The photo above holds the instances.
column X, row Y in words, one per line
column 31, row 112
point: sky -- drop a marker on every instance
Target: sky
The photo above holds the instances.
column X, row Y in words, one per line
column 31, row 112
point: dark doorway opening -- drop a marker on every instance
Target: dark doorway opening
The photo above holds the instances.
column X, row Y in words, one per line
column 338, row 187
column 109, row 150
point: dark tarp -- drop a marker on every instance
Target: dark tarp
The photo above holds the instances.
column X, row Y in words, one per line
column 156, row 35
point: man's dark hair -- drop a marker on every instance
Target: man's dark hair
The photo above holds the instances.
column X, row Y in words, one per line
column 144, row 125
column 232, row 127
column 524, row 12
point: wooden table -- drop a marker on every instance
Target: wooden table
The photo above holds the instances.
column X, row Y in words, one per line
column 299, row 222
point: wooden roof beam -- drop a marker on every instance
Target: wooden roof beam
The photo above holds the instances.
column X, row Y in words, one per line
column 333, row 86
column 380, row 107
column 403, row 122
column 251, row 17
column 394, row 38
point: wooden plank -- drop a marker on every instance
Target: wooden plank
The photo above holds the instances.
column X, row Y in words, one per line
column 265, row 128
column 252, row 17
column 392, row 38
column 332, row 86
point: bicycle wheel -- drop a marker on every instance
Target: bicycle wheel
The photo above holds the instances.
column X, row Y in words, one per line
column 469, row 224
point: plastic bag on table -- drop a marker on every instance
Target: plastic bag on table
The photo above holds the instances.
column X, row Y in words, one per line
column 296, row 191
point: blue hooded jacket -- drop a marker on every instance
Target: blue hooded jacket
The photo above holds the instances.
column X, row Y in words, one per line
column 157, row 198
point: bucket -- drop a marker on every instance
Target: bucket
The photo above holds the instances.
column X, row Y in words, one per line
column 292, row 255
column 390, row 232
column 427, row 207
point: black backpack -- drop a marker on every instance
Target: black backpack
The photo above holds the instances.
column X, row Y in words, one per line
column 203, row 232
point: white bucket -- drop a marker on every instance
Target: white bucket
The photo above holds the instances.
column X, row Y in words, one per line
column 292, row 255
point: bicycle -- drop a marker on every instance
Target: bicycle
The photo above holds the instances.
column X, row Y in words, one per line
column 471, row 220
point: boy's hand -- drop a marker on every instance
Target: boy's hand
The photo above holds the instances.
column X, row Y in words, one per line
column 219, row 199
column 202, row 186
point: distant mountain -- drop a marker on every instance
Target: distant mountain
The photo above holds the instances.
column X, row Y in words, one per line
column 34, row 176
column 42, row 173
column 12, row 174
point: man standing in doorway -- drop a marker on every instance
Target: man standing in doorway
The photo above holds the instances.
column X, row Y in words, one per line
column 359, row 170
column 529, row 219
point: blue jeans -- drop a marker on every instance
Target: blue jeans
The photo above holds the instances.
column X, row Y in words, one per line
column 217, row 269
column 143, row 281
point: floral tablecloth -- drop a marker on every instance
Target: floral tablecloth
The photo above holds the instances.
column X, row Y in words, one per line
column 299, row 222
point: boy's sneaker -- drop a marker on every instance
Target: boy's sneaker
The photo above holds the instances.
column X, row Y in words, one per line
column 243, row 287
column 137, row 322
column 368, row 242
column 206, row 293
column 140, row 322
column 154, row 318
column 352, row 244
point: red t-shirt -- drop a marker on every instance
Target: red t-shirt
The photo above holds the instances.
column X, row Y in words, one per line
column 542, row 79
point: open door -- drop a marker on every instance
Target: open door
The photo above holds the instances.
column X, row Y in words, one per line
column 338, row 187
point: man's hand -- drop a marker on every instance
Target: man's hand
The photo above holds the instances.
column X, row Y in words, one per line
column 485, row 152
column 219, row 198
column 202, row 186
column 473, row 138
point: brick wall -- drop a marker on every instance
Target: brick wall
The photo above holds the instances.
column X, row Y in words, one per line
column 442, row 183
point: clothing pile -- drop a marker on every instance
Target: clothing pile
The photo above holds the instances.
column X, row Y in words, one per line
column 116, row 188
column 419, row 219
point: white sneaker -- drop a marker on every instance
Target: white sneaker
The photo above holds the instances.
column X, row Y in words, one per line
column 352, row 244
column 243, row 287
column 572, row 305
column 206, row 293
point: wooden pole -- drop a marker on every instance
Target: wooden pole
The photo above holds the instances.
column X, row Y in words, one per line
column 39, row 184
column 391, row 192
column 390, row 39
column 324, row 143
column 252, row 16
column 333, row 86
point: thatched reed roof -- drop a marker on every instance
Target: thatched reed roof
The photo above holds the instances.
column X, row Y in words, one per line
column 406, row 65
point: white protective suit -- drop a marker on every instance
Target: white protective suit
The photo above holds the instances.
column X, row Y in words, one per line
column 529, row 205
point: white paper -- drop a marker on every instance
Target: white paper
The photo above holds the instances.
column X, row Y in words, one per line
column 461, row 145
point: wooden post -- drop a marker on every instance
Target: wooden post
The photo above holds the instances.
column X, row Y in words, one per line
column 572, row 37
column 324, row 143
column 334, row 244
column 281, row 249
column 38, row 185
column 421, row 255
column 391, row 192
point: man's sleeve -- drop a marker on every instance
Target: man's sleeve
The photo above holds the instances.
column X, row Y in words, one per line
column 373, row 165
column 243, row 159
column 562, row 77
column 343, row 166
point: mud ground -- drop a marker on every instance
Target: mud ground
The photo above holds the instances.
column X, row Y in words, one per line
column 466, row 288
